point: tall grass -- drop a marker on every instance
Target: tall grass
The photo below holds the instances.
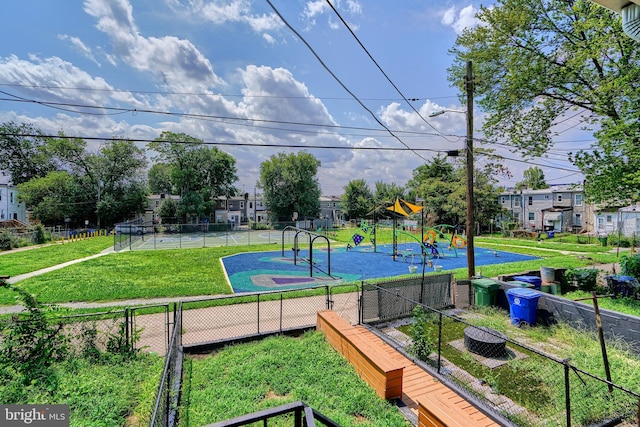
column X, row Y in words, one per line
column 251, row 377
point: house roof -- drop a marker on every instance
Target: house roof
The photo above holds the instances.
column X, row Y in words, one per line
column 616, row 5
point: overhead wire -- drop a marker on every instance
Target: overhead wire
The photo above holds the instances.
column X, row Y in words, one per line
column 228, row 95
column 337, row 79
column 210, row 117
column 233, row 144
column 404, row 98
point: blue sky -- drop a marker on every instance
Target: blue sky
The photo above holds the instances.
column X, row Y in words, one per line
column 231, row 72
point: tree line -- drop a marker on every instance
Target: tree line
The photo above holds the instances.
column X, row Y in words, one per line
column 62, row 181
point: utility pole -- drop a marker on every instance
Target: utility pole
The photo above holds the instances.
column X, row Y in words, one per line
column 471, row 263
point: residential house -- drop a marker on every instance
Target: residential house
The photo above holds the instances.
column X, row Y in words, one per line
column 625, row 221
column 331, row 209
column 10, row 207
column 559, row 207
column 152, row 211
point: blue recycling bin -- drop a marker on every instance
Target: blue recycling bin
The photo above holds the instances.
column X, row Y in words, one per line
column 534, row 280
column 550, row 234
column 523, row 303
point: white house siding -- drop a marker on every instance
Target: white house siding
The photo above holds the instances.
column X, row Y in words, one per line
column 9, row 206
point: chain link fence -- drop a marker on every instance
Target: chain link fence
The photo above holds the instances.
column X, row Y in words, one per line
column 152, row 236
column 221, row 319
column 510, row 375
column 168, row 395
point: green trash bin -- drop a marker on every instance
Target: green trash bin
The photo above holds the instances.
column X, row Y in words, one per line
column 603, row 240
column 485, row 291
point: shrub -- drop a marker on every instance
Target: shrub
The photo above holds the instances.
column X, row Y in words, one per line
column 585, row 278
column 260, row 225
column 630, row 265
column 39, row 234
column 8, row 240
column 422, row 343
column 31, row 345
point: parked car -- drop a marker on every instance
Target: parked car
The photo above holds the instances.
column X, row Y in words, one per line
column 130, row 229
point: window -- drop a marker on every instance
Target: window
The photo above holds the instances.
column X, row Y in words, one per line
column 546, row 197
column 10, row 197
column 558, row 197
column 530, row 200
column 503, row 199
column 250, row 205
column 609, row 219
column 532, row 216
column 577, row 220
column 241, row 205
column 578, row 199
column 516, row 202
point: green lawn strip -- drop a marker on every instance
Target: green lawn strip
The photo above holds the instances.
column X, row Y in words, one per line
column 107, row 393
column 621, row 304
column 26, row 260
column 133, row 274
column 250, row 377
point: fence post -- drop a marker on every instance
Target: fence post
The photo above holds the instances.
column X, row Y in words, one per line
column 127, row 325
column 281, row 313
column 361, row 304
column 258, row 322
column 439, row 339
column 328, row 295
column 567, row 391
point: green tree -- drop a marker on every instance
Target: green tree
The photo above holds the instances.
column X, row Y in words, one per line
column 168, row 211
column 442, row 185
column 200, row 174
column 436, row 183
column 24, row 152
column 533, row 178
column 289, row 185
column 539, row 61
column 48, row 197
column 159, row 178
column 118, row 180
column 384, row 194
column 357, row 199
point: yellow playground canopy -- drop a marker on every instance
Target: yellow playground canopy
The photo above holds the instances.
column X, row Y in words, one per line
column 401, row 207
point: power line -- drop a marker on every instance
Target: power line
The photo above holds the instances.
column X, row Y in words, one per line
column 209, row 117
column 337, row 79
column 228, row 95
column 404, row 98
column 233, row 144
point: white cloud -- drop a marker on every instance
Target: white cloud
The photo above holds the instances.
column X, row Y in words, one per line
column 55, row 80
column 80, row 46
column 177, row 63
column 465, row 18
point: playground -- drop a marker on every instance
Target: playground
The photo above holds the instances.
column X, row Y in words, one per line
column 379, row 249
column 268, row 271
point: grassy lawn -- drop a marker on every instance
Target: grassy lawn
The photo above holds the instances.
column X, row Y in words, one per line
column 192, row 272
column 31, row 259
column 106, row 393
column 134, row 274
column 250, row 377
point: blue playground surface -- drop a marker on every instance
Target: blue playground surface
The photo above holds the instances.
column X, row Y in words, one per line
column 269, row 271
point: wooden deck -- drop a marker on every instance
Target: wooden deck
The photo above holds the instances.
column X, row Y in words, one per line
column 435, row 404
